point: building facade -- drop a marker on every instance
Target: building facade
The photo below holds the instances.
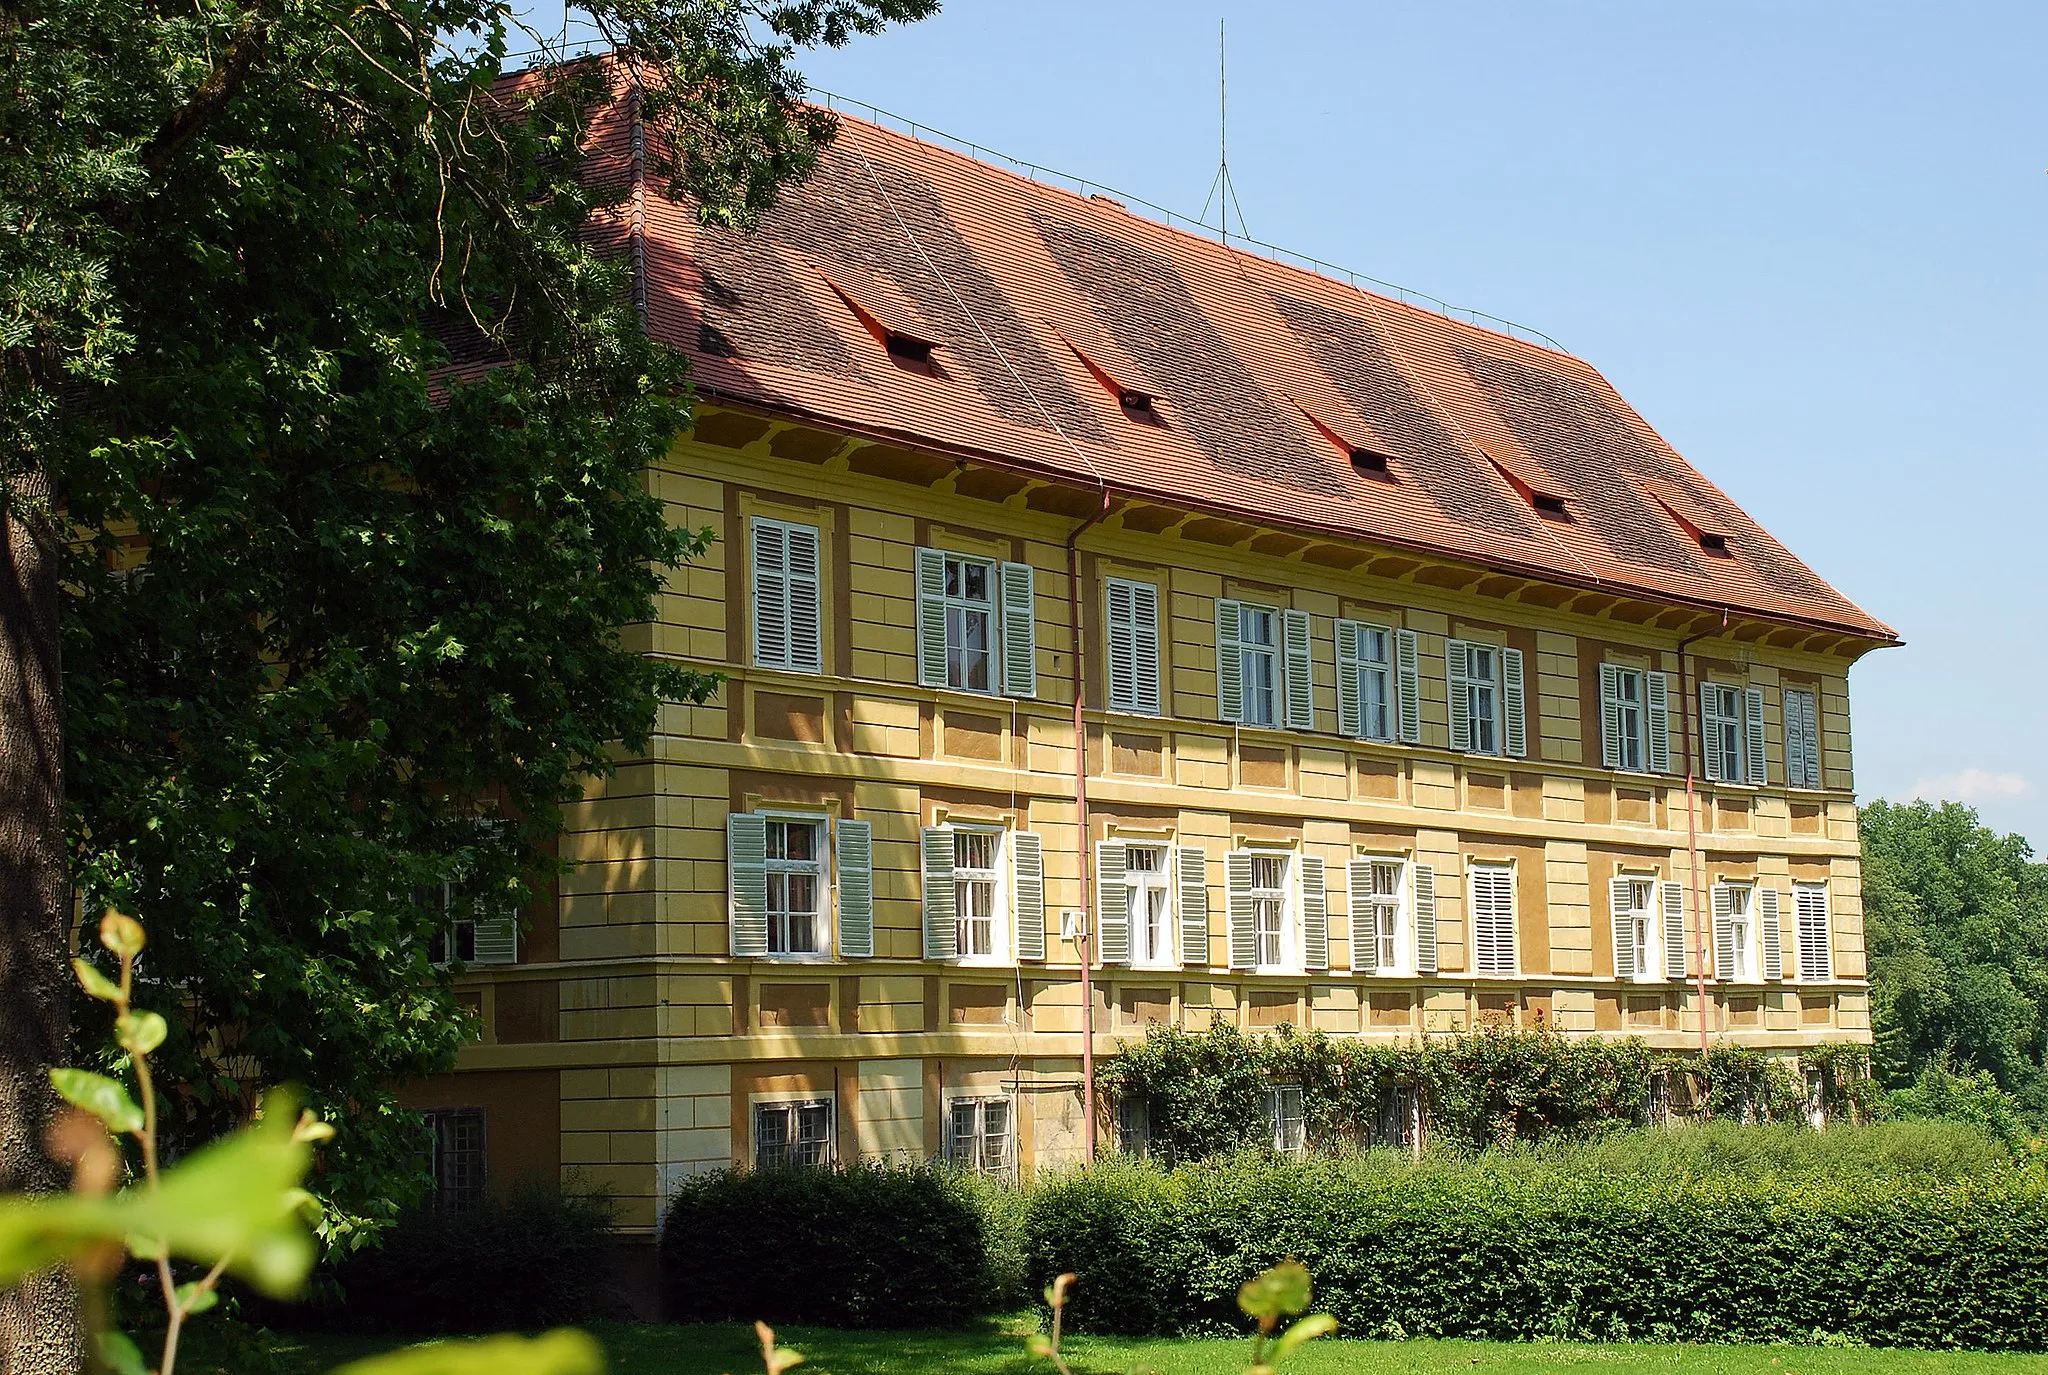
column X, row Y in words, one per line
column 1418, row 688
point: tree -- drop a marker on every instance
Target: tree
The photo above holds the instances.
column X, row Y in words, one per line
column 1956, row 919
column 326, row 407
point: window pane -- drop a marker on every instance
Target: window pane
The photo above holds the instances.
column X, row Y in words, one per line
column 976, row 582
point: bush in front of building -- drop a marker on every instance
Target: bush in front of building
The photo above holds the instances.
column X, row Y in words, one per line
column 1513, row 1248
column 537, row 1257
column 865, row 1246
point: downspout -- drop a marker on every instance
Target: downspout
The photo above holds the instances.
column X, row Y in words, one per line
column 1692, row 830
column 1084, row 931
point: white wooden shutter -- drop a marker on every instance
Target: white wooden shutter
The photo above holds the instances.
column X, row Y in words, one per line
column 1657, row 718
column 1365, row 946
column 1610, row 716
column 1753, row 736
column 1674, row 929
column 496, row 939
column 1194, row 904
column 1294, row 646
column 1767, row 923
column 1710, row 733
column 1315, row 914
column 1457, row 664
column 1423, row 884
column 1513, row 709
column 1229, row 677
column 1490, row 898
column 771, row 594
column 941, row 934
column 746, row 882
column 1237, row 878
column 1028, row 870
column 1020, row 630
column 1816, row 954
column 1112, row 904
column 1132, row 618
column 1724, row 932
column 854, row 855
column 931, row 618
column 1350, row 717
column 1620, row 906
column 1408, row 686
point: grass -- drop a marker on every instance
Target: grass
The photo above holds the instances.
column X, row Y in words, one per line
column 997, row 1349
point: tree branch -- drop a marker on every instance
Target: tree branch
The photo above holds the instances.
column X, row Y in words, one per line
column 213, row 93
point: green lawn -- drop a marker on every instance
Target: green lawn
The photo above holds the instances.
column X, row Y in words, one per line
column 996, row 1349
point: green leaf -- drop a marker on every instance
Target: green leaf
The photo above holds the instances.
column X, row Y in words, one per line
column 120, row 1355
column 1280, row 1292
column 561, row 1352
column 36, row 1233
column 96, row 984
column 106, row 1099
column 122, row 934
column 196, row 1296
column 1307, row 1330
column 140, row 1032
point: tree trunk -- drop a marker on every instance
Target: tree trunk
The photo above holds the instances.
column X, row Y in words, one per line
column 38, row 1320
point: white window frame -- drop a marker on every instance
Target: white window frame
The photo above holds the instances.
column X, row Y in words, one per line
column 1139, row 886
column 1480, row 960
column 461, row 1160
column 998, row 876
column 1130, row 699
column 1742, row 925
column 821, row 867
column 1287, row 1116
column 1251, row 652
column 1392, row 949
column 1488, row 687
column 1725, row 722
column 991, row 608
column 1636, row 737
column 981, row 1150
column 796, row 1112
column 1284, row 901
column 1645, row 927
column 1804, row 918
column 790, row 599
column 1380, row 671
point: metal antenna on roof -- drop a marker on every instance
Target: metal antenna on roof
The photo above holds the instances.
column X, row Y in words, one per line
column 1222, row 190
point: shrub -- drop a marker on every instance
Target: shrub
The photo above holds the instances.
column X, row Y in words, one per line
column 866, row 1246
column 1939, row 1095
column 1512, row 1247
column 536, row 1258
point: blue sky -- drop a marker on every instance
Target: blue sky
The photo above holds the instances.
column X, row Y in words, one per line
column 1805, row 240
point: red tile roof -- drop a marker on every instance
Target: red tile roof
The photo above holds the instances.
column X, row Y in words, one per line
column 1256, row 366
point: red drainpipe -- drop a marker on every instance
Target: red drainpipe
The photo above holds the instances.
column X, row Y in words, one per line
column 1085, row 931
column 1692, row 834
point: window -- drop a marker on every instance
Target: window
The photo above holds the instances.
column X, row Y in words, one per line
column 1257, row 668
column 1133, row 1126
column 1367, row 705
column 1493, row 918
column 1397, row 1117
column 979, row 1135
column 977, row 624
column 1482, row 697
column 1810, row 910
column 1657, row 1099
column 1735, row 935
column 1732, row 733
column 1149, row 904
column 1638, row 939
column 1802, row 739
column 970, row 602
column 1625, row 708
column 976, row 889
column 786, row 622
column 1269, row 910
column 1132, row 617
column 458, row 1163
column 793, row 1135
column 1485, row 688
column 1288, row 1119
column 1379, row 929
column 796, row 887
column 466, row 936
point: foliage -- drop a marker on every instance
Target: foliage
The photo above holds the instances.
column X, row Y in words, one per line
column 1976, row 1098
column 1956, row 922
column 538, row 1257
column 866, row 1246
column 1502, row 1251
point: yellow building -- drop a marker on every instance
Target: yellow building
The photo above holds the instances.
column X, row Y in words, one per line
column 1419, row 687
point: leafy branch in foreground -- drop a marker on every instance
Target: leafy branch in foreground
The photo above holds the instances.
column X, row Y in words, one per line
column 1279, row 1292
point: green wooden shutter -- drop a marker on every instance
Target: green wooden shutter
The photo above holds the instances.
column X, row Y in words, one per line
column 941, row 932
column 1315, row 914
column 1028, row 864
column 1513, row 709
column 1020, row 630
column 1194, row 905
column 1229, row 678
column 746, row 882
column 1657, row 718
column 1620, row 906
column 1350, row 719
column 1295, row 652
column 931, row 618
column 1112, row 904
column 1610, row 716
column 1408, row 677
column 1710, row 734
column 1753, row 735
column 1424, row 886
column 1767, row 925
column 1365, row 946
column 1457, row 666
column 1237, row 878
column 1673, row 895
column 855, row 858
column 1131, row 634
column 1812, row 704
column 1724, row 933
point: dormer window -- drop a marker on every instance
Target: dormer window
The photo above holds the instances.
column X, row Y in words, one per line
column 1137, row 401
column 1533, row 485
column 1366, row 461
column 908, row 349
column 1116, row 370
column 892, row 320
column 1712, row 536
column 1367, row 454
column 1549, row 505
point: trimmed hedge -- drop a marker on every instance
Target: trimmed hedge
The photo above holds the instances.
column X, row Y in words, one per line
column 866, row 1246
column 1523, row 1251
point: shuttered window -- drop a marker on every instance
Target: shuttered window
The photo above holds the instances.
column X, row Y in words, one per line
column 1486, row 706
column 1673, row 896
column 786, row 615
column 1810, row 911
column 1367, row 703
column 1148, row 906
column 1734, row 936
column 1724, row 758
column 1802, row 739
column 1424, row 877
column 976, row 624
column 1261, row 925
column 1638, row 929
column 1248, row 683
column 1492, row 903
column 1377, row 892
column 1193, row 883
column 776, row 885
column 1635, row 721
column 1131, row 618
